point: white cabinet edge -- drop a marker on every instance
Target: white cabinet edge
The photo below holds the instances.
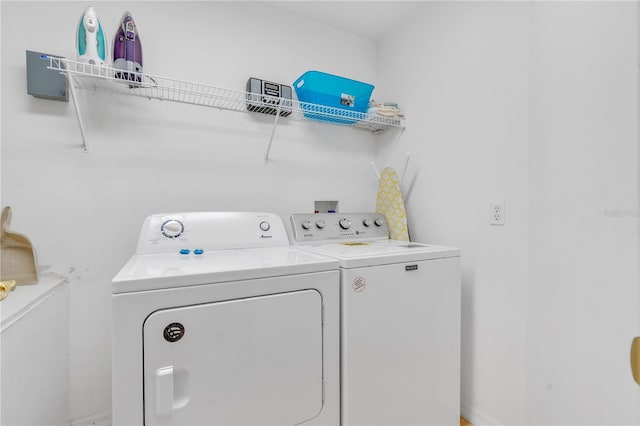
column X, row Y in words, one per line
column 25, row 298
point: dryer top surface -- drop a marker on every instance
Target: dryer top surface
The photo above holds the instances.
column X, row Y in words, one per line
column 171, row 270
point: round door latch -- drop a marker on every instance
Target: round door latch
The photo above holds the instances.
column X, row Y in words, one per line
column 173, row 332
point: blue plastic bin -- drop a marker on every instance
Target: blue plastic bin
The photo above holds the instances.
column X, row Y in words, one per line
column 350, row 97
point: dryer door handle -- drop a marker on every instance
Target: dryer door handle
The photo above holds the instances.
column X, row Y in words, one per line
column 164, row 391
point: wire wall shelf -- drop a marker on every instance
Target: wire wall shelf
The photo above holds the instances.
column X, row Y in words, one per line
column 104, row 78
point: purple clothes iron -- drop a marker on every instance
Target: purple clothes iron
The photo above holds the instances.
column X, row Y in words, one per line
column 127, row 50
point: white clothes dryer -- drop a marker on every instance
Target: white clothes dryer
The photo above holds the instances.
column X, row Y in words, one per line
column 218, row 321
column 400, row 320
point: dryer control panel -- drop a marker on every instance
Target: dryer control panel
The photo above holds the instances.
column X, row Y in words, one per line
column 332, row 227
column 197, row 232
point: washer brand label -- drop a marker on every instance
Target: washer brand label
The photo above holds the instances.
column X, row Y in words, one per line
column 411, row 268
column 173, row 332
column 359, row 284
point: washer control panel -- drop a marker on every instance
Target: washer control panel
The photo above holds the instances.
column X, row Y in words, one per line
column 332, row 227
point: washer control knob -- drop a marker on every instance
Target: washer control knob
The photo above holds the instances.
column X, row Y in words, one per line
column 172, row 228
column 345, row 223
column 379, row 222
column 320, row 224
column 306, row 224
column 367, row 222
column 265, row 226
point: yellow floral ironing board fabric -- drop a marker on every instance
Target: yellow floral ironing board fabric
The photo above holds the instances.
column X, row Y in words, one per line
column 389, row 202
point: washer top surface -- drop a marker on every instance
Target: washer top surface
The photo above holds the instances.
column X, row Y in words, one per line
column 359, row 240
column 187, row 249
column 372, row 253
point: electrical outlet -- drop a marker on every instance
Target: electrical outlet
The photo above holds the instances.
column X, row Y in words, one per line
column 496, row 214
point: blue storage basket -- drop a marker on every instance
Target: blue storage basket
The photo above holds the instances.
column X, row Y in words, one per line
column 334, row 98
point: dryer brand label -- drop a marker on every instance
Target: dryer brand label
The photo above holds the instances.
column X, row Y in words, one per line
column 411, row 268
column 173, row 332
column 359, row 284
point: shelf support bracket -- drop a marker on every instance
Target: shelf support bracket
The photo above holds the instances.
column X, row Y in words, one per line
column 74, row 99
column 399, row 135
column 375, row 170
column 404, row 168
column 273, row 132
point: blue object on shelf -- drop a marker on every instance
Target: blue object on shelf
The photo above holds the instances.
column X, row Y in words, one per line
column 329, row 97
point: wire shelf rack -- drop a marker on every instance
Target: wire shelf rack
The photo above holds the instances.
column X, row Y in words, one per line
column 129, row 83
column 100, row 77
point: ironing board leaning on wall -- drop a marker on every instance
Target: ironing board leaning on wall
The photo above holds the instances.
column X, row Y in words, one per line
column 389, row 202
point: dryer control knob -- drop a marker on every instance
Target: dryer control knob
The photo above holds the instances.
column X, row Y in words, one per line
column 320, row 224
column 367, row 222
column 306, row 224
column 345, row 223
column 265, row 226
column 379, row 222
column 172, row 228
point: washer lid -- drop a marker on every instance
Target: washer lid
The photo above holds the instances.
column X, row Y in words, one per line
column 170, row 270
column 373, row 253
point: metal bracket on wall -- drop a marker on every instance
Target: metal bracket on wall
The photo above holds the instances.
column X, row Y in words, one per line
column 394, row 143
column 403, row 174
column 407, row 158
column 273, row 132
column 74, row 100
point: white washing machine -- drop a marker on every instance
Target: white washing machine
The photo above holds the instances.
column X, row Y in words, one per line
column 218, row 321
column 400, row 320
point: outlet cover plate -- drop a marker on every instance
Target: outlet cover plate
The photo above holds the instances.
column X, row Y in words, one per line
column 497, row 213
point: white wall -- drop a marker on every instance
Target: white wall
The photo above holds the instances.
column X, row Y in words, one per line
column 464, row 84
column 83, row 211
column 583, row 163
column 534, row 104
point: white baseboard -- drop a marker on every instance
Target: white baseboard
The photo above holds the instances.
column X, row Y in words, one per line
column 103, row 419
column 477, row 417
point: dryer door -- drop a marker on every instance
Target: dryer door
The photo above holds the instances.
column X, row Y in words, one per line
column 253, row 361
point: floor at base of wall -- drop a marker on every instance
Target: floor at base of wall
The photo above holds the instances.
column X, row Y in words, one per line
column 105, row 419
